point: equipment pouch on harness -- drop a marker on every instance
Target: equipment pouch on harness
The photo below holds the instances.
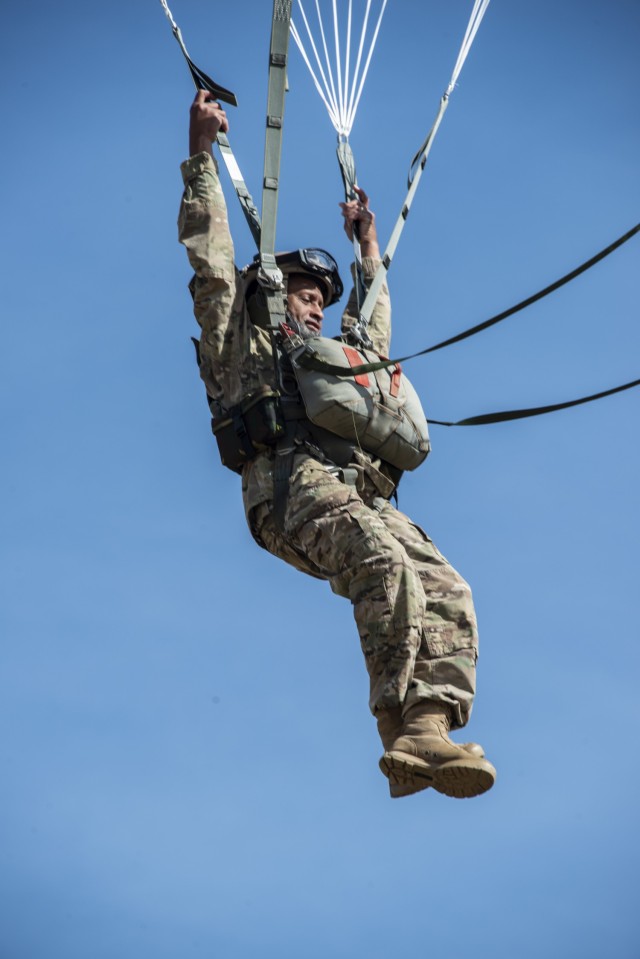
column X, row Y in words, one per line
column 380, row 412
column 249, row 428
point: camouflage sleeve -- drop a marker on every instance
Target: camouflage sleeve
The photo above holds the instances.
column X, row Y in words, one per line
column 380, row 324
column 203, row 228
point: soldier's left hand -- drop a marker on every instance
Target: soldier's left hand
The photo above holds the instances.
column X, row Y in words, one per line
column 358, row 211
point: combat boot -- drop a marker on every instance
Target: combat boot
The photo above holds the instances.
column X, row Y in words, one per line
column 424, row 753
column 390, row 729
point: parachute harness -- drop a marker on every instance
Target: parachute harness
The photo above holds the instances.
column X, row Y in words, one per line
column 341, row 96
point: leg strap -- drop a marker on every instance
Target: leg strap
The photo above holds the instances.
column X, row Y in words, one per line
column 282, row 468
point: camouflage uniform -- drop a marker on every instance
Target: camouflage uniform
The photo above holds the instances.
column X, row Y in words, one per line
column 413, row 611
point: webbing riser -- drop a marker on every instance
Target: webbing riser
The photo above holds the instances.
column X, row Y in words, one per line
column 346, row 161
column 269, row 275
column 203, row 82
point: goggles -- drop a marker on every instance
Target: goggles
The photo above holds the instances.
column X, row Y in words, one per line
column 315, row 262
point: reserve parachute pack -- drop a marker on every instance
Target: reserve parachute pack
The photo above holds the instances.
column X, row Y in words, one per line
column 379, row 412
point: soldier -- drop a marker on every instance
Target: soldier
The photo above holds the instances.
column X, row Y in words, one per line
column 328, row 514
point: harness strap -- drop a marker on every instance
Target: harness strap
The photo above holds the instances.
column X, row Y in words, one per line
column 347, row 164
column 244, row 197
column 282, row 467
column 415, row 173
column 269, row 275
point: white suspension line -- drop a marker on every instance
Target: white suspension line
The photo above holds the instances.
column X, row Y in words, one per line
column 478, row 12
column 165, row 7
column 326, row 57
column 340, row 87
column 347, row 57
column 330, row 107
column 352, row 115
column 363, row 33
column 328, row 87
column 336, row 38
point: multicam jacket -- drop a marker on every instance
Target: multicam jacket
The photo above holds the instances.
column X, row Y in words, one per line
column 235, row 355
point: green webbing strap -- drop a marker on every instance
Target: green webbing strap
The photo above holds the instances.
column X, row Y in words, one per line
column 204, row 82
column 244, row 197
column 415, row 173
column 347, row 163
column 269, row 275
column 275, row 116
column 503, row 417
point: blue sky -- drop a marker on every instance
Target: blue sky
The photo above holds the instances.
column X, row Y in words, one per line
column 188, row 763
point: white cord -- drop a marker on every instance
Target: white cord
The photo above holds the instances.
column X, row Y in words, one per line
column 165, row 7
column 352, row 115
column 341, row 95
column 330, row 109
column 326, row 57
column 478, row 12
column 359, row 58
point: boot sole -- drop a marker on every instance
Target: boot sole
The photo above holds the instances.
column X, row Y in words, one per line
column 459, row 779
column 465, row 778
column 397, row 790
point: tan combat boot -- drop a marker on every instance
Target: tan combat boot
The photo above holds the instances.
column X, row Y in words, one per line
column 425, row 754
column 390, row 729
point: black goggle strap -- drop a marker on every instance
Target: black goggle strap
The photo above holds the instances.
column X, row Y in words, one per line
column 269, row 274
column 204, row 82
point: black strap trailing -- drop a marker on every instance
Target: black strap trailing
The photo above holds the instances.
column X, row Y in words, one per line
column 536, row 296
column 503, row 417
column 314, row 364
column 310, row 361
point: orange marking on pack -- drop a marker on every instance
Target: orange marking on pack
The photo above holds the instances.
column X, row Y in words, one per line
column 395, row 380
column 394, row 389
column 356, row 360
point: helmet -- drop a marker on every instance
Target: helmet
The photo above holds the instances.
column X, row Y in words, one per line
column 317, row 263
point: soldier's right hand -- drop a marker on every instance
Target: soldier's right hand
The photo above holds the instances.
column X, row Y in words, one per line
column 206, row 120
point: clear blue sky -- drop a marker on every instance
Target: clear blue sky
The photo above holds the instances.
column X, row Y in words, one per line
column 188, row 763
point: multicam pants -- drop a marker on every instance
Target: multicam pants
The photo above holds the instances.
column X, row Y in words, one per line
column 413, row 611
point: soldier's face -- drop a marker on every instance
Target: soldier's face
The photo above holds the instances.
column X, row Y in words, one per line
column 305, row 301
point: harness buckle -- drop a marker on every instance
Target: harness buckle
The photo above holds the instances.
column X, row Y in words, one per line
column 360, row 333
column 269, row 274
